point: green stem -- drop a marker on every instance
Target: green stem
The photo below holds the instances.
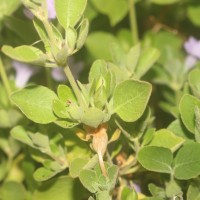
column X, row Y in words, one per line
column 51, row 36
column 48, row 78
column 133, row 21
column 75, row 87
column 5, row 79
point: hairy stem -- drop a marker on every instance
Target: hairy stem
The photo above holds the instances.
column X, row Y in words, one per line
column 48, row 78
column 4, row 78
column 75, row 87
column 133, row 21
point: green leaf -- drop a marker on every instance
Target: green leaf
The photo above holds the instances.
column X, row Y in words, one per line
column 9, row 118
column 146, row 60
column 103, row 195
column 93, row 117
column 89, row 179
column 76, row 166
column 11, row 190
column 66, row 94
column 187, row 110
column 25, row 53
column 98, row 68
column 130, row 99
column 115, row 11
column 43, row 174
column 19, row 133
column 98, row 44
column 128, row 194
column 133, row 57
column 36, row 103
column 193, row 192
column 71, row 37
column 164, row 2
column 61, row 188
column 194, row 82
column 167, row 139
column 40, row 140
column 69, row 12
column 60, row 109
column 83, row 32
column 187, row 162
column 193, row 13
column 156, row 159
column 156, row 191
column 8, row 7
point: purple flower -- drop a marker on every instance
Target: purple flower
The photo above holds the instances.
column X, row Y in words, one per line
column 23, row 73
column 58, row 73
column 192, row 47
column 50, row 9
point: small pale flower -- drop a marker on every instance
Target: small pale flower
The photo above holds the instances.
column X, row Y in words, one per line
column 50, row 9
column 23, row 73
column 192, row 47
column 58, row 73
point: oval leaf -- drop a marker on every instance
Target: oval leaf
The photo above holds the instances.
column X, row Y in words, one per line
column 24, row 53
column 130, row 99
column 156, row 159
column 36, row 103
column 187, row 110
column 69, row 12
column 187, row 162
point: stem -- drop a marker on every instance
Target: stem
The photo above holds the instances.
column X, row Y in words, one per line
column 133, row 21
column 48, row 78
column 75, row 87
column 5, row 79
column 101, row 163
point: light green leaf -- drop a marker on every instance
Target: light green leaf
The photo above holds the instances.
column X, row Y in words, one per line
column 43, row 174
column 8, row 7
column 9, row 118
column 187, row 110
column 83, row 32
column 103, row 195
column 19, row 133
column 158, row 159
column 62, row 188
column 11, row 190
column 93, row 117
column 66, row 94
column 167, row 139
column 157, row 191
column 130, row 99
column 69, row 12
column 25, row 53
column 41, row 141
column 99, row 45
column 164, row 2
column 89, row 179
column 76, row 166
column 60, row 109
column 99, row 68
column 193, row 192
column 128, row 194
column 115, row 11
column 193, row 13
column 36, row 103
column 187, row 162
column 146, row 60
column 42, row 33
column 71, row 37
column 194, row 82
column 133, row 57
